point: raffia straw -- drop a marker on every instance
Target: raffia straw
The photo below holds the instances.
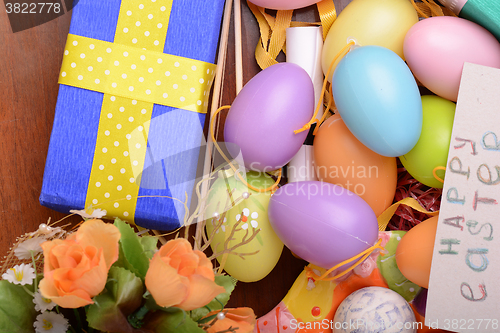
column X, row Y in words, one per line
column 221, row 62
column 237, row 46
column 160, row 237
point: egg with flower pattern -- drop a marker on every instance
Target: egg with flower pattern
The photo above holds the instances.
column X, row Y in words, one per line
column 238, row 215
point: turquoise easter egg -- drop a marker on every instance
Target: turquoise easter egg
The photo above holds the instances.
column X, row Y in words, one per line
column 378, row 99
column 232, row 206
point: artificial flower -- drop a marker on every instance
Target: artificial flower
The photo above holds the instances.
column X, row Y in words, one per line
column 51, row 322
column 178, row 276
column 76, row 269
column 42, row 304
column 366, row 268
column 241, row 318
column 49, row 231
column 90, row 213
column 20, row 274
column 32, row 245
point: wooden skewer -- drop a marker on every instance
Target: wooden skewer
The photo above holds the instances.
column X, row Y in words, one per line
column 237, row 46
column 221, row 62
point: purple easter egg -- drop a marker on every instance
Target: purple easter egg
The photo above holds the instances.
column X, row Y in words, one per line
column 262, row 118
column 322, row 223
column 420, row 302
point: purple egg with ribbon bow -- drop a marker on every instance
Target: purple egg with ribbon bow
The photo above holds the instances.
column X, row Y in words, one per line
column 260, row 125
column 322, row 223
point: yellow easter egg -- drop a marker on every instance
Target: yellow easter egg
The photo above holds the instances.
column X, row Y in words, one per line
column 232, row 206
column 368, row 22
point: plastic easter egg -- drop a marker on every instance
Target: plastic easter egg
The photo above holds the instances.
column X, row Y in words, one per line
column 382, row 22
column 414, row 253
column 432, row 147
column 436, row 49
column 322, row 223
column 378, row 99
column 342, row 160
column 284, row 4
column 252, row 215
column 374, row 309
column 388, row 267
column 420, row 302
column 262, row 118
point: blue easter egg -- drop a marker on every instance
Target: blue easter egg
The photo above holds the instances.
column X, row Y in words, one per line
column 378, row 99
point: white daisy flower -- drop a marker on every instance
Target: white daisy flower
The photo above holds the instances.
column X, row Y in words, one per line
column 245, row 216
column 223, row 227
column 51, row 322
column 23, row 250
column 20, row 274
column 90, row 213
column 42, row 304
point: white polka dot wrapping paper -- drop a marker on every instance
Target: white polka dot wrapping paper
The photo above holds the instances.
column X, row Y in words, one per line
column 129, row 118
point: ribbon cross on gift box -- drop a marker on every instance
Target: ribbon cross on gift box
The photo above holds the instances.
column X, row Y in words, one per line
column 133, row 76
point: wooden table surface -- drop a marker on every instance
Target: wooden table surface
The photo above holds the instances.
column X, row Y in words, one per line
column 30, row 61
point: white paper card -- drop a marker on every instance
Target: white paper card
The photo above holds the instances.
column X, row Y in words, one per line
column 464, row 288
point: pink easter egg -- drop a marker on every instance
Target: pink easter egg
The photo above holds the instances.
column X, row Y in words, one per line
column 436, row 49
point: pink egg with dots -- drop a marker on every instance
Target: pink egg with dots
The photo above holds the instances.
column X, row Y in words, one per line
column 436, row 49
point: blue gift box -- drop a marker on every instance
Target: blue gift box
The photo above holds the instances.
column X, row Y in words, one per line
column 175, row 135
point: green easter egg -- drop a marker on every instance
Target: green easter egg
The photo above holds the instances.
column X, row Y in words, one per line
column 251, row 214
column 432, row 148
column 389, row 269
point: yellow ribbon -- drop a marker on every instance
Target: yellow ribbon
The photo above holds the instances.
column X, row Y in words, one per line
column 130, row 72
column 272, row 34
column 313, row 120
column 434, row 173
column 428, row 8
column 361, row 256
column 327, row 15
column 386, row 216
column 273, row 30
column 134, row 74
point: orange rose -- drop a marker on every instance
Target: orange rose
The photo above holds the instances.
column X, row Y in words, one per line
column 241, row 318
column 76, row 269
column 181, row 277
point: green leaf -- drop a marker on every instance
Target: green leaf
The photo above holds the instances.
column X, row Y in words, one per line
column 149, row 243
column 172, row 322
column 151, row 304
column 219, row 301
column 133, row 256
column 229, row 283
column 17, row 310
column 121, row 297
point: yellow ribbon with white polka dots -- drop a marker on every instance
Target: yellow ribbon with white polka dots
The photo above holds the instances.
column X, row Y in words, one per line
column 133, row 73
column 126, row 71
